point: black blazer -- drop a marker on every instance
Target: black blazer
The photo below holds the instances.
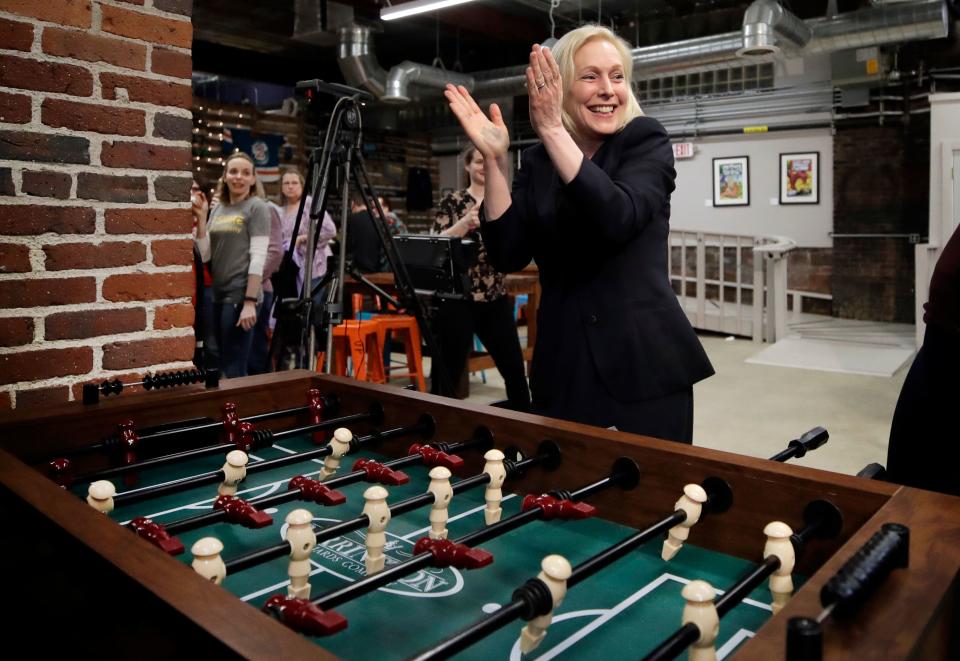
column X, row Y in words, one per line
column 600, row 243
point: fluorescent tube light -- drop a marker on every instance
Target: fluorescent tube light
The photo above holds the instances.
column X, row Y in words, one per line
column 416, row 7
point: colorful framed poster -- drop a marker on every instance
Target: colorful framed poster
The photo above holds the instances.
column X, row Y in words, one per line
column 800, row 178
column 731, row 181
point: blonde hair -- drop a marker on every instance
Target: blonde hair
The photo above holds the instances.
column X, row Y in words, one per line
column 564, row 51
column 223, row 191
column 303, row 183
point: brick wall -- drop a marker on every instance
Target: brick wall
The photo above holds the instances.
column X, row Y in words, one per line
column 881, row 186
column 95, row 248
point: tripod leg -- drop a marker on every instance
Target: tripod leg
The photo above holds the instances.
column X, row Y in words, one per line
column 407, row 295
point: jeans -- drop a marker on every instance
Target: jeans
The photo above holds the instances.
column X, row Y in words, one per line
column 259, row 362
column 211, row 359
column 229, row 341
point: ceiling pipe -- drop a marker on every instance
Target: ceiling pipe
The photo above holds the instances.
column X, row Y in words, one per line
column 765, row 21
column 405, row 73
column 357, row 61
column 885, row 24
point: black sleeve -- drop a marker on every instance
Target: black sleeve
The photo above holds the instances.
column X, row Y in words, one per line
column 638, row 188
column 507, row 238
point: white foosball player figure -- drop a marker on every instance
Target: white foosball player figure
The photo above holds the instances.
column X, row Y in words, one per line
column 234, row 472
column 701, row 610
column 100, row 496
column 778, row 544
column 494, row 495
column 341, row 445
column 442, row 494
column 378, row 514
column 554, row 571
column 690, row 502
column 207, row 561
column 302, row 540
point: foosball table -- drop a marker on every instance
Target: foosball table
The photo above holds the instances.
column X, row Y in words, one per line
column 441, row 528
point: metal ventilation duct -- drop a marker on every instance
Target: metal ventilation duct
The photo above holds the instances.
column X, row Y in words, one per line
column 357, row 61
column 763, row 22
column 887, row 24
column 876, row 26
column 405, row 73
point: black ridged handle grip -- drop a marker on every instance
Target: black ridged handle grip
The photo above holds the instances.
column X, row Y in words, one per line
column 887, row 550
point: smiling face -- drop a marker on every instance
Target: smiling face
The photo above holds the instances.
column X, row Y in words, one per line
column 597, row 98
column 291, row 187
column 474, row 168
column 240, row 179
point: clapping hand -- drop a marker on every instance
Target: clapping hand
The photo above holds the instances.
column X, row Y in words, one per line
column 490, row 135
column 545, row 90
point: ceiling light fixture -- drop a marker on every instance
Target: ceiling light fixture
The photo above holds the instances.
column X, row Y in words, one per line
column 416, row 7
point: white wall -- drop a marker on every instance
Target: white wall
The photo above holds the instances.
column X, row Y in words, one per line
column 944, row 138
column 808, row 224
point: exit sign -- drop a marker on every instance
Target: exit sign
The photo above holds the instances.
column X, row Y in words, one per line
column 683, row 150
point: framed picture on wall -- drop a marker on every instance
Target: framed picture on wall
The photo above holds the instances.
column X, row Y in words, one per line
column 800, row 178
column 731, row 181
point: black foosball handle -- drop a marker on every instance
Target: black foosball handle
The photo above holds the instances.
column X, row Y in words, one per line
column 797, row 448
column 873, row 471
column 804, row 639
column 887, row 550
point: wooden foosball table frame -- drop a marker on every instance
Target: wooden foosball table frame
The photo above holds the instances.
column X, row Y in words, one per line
column 110, row 591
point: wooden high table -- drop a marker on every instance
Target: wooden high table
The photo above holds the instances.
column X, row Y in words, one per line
column 61, row 554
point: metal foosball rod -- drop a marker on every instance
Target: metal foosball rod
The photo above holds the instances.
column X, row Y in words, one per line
column 324, row 493
column 248, row 439
column 533, row 599
column 425, row 427
column 128, row 438
column 548, row 456
column 210, row 378
column 822, row 519
column 310, row 616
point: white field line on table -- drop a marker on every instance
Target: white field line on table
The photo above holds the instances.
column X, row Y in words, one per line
column 613, row 612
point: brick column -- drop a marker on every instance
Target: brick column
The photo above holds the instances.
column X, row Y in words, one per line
column 95, row 247
column 881, row 186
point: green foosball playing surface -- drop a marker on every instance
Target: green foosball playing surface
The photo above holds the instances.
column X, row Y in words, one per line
column 623, row 611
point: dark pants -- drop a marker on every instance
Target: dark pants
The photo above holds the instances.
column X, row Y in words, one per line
column 259, row 361
column 229, row 341
column 669, row 417
column 493, row 323
column 583, row 397
column 925, row 434
column 287, row 338
column 211, row 359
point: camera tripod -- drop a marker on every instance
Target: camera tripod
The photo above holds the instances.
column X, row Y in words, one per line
column 340, row 154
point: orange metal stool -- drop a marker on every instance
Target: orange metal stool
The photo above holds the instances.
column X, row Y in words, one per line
column 363, row 341
column 404, row 328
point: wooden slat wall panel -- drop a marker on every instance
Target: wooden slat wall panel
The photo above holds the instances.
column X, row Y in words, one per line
column 209, row 120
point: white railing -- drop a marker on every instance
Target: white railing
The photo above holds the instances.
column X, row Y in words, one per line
column 708, row 308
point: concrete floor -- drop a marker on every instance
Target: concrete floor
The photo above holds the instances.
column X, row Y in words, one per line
column 757, row 409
